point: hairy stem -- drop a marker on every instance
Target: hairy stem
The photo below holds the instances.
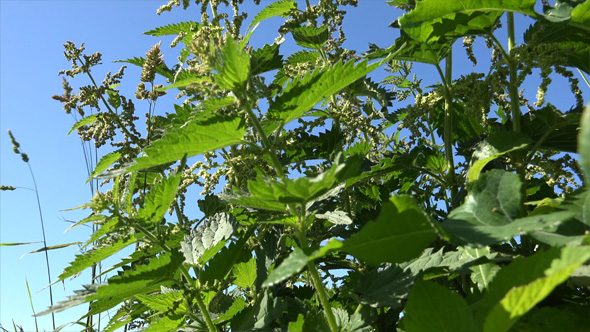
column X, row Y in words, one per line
column 517, row 156
column 319, row 286
column 447, row 78
column 202, row 307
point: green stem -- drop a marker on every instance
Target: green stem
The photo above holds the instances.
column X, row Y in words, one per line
column 319, row 286
column 302, row 227
column 202, row 307
column 447, row 79
column 517, row 156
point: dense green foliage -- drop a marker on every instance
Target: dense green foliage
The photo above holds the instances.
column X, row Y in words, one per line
column 315, row 215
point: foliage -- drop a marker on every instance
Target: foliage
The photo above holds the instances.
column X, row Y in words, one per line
column 325, row 220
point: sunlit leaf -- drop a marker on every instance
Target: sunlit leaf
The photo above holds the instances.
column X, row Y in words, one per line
column 584, row 143
column 84, row 121
column 524, row 283
column 232, row 66
column 400, row 233
column 278, row 8
column 174, row 29
column 218, row 228
column 310, row 36
column 494, row 146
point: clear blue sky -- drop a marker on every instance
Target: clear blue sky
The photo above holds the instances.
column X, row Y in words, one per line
column 31, row 54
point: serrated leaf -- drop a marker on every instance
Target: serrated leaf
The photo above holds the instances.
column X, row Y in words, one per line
column 265, row 59
column 264, row 311
column 385, row 288
column 114, row 99
column 92, row 257
column 218, row 228
column 297, row 326
column 305, row 189
column 525, row 282
column 290, row 266
column 401, row 232
column 432, row 307
column 183, row 83
column 219, row 268
column 161, row 69
column 551, row 129
column 245, row 273
column 202, row 134
column 238, row 305
column 489, row 214
column 584, row 143
column 174, row 29
column 104, row 163
column 310, row 36
column 302, row 94
column 84, row 121
column 483, row 273
column 158, row 200
column 571, row 43
column 278, row 8
column 232, row 66
column 337, row 217
column 165, row 323
column 581, row 16
column 444, row 20
column 494, row 146
column 169, row 302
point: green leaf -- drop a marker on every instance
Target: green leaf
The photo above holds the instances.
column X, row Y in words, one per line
column 432, row 307
column 302, row 94
column 278, row 8
column 202, row 134
column 264, row 311
column 161, row 69
column 183, row 83
column 238, row 305
column 297, row 326
column 483, row 273
column 158, row 199
column 552, row 129
column 84, row 121
column 581, row 16
column 165, row 323
column 384, row 288
column 305, row 189
column 584, row 143
column 293, row 264
column 569, row 45
column 232, row 64
column 218, row 228
column 18, row 243
column 336, row 217
column 104, row 163
column 174, row 29
column 489, row 214
column 245, row 273
column 221, row 265
column 310, row 36
column 519, row 286
column 400, row 233
column 265, row 59
column 92, row 257
column 494, row 146
column 442, row 20
column 168, row 301
column 554, row 319
column 114, row 99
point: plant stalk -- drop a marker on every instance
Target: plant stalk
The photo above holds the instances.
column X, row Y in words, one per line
column 517, row 156
column 319, row 286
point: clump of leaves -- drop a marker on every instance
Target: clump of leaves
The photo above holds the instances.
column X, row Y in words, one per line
column 327, row 220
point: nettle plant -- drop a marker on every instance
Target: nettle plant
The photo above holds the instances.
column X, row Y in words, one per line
column 315, row 215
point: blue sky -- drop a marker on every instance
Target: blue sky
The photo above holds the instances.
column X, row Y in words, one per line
column 31, row 54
